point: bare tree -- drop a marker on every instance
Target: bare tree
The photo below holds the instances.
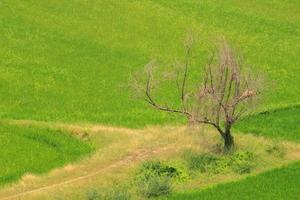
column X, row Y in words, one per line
column 225, row 93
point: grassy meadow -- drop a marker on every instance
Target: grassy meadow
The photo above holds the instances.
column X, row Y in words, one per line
column 64, row 72
column 65, row 61
column 28, row 150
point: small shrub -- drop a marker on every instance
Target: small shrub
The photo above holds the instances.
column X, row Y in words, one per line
column 203, row 162
column 241, row 162
column 158, row 168
column 154, row 178
column 242, row 156
column 182, row 171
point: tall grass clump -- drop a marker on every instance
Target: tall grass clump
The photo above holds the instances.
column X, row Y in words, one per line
column 114, row 193
column 242, row 162
column 239, row 162
column 155, row 178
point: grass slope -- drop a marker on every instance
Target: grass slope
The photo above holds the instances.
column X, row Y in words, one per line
column 67, row 61
column 26, row 150
column 279, row 184
column 282, row 124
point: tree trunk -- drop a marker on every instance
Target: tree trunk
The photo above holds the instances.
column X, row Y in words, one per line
column 228, row 139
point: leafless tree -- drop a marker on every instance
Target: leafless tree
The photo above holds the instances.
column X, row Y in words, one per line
column 225, row 93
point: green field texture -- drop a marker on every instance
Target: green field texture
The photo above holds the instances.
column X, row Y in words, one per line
column 70, row 60
column 281, row 124
column 279, row 184
column 32, row 150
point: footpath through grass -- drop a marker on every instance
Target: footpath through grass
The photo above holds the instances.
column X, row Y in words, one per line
column 28, row 150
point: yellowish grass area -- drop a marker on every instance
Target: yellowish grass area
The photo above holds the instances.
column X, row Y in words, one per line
column 120, row 150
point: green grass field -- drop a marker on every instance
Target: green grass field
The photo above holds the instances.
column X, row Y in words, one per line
column 282, row 124
column 70, row 61
column 28, row 150
column 63, row 61
column 279, row 184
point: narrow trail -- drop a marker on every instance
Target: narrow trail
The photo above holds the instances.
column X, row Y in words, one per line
column 140, row 154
